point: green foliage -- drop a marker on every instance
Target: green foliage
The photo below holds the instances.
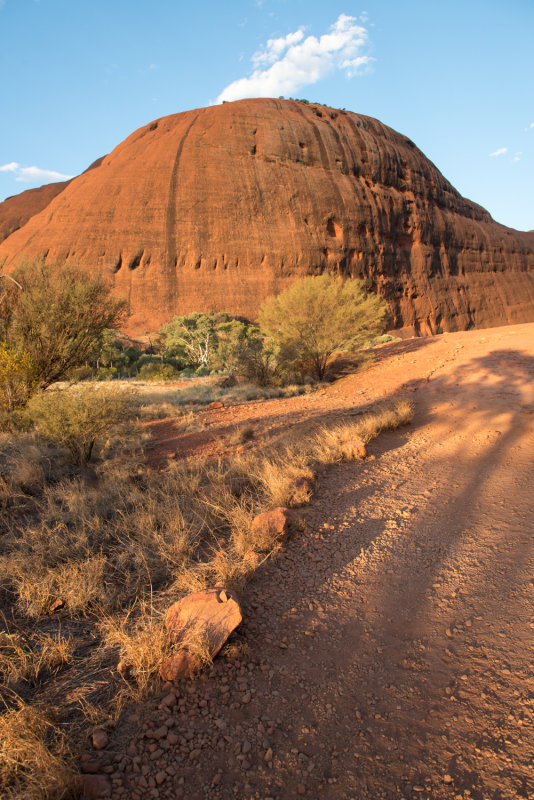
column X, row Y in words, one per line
column 59, row 318
column 17, row 378
column 210, row 341
column 192, row 337
column 318, row 316
column 76, row 419
column 106, row 374
column 156, row 371
column 238, row 342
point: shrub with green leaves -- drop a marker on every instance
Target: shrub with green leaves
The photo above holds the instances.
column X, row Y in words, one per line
column 156, row 371
column 319, row 316
column 17, row 378
column 76, row 419
column 59, row 316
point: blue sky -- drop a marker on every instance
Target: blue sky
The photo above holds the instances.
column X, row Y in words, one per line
column 456, row 76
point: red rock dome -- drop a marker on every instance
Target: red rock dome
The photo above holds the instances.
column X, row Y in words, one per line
column 217, row 208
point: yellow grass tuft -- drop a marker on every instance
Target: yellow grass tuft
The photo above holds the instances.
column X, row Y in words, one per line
column 35, row 762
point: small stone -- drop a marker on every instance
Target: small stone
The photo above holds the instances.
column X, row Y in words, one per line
column 100, row 739
column 447, row 779
column 169, row 701
column 194, row 754
column 161, row 733
column 160, row 777
column 301, row 789
column 96, row 786
column 216, row 404
column 268, row 754
column 270, row 525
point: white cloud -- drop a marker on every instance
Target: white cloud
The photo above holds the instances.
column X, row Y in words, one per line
column 33, row 174
column 500, row 152
column 517, row 156
column 293, row 61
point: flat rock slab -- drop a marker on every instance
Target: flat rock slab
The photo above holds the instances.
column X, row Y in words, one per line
column 212, row 614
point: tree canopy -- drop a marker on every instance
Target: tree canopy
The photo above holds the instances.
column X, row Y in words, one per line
column 320, row 315
column 58, row 316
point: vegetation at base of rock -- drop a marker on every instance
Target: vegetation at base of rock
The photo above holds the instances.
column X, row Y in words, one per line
column 58, row 318
column 319, row 316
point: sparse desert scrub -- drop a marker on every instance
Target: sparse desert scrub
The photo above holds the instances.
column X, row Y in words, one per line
column 283, row 476
column 78, row 419
column 115, row 547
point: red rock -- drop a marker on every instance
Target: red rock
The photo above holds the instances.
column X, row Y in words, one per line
column 217, row 208
column 270, row 525
column 17, row 210
column 216, row 404
column 212, row 614
column 353, row 449
column 182, row 664
column 99, row 739
column 95, row 786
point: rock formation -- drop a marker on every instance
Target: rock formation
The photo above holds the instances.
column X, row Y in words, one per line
column 16, row 211
column 217, row 208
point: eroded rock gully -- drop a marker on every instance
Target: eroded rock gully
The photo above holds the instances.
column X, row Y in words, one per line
column 390, row 644
column 217, row 208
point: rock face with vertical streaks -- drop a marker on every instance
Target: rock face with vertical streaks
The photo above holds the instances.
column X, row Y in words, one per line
column 217, row 208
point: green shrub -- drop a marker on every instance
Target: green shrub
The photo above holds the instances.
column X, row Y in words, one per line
column 76, row 419
column 17, row 378
column 84, row 373
column 318, row 316
column 156, row 371
column 106, row 374
column 59, row 317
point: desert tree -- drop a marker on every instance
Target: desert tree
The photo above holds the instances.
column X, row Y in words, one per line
column 318, row 316
column 58, row 317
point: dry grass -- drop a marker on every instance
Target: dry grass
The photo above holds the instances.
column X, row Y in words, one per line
column 25, row 659
column 278, row 477
column 326, row 445
column 115, row 545
column 35, row 761
column 142, row 644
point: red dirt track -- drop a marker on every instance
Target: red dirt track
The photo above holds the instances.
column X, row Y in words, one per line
column 390, row 644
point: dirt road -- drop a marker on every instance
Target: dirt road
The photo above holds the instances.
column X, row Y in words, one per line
column 390, row 646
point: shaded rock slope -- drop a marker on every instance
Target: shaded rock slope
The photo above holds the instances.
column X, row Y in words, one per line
column 217, row 208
